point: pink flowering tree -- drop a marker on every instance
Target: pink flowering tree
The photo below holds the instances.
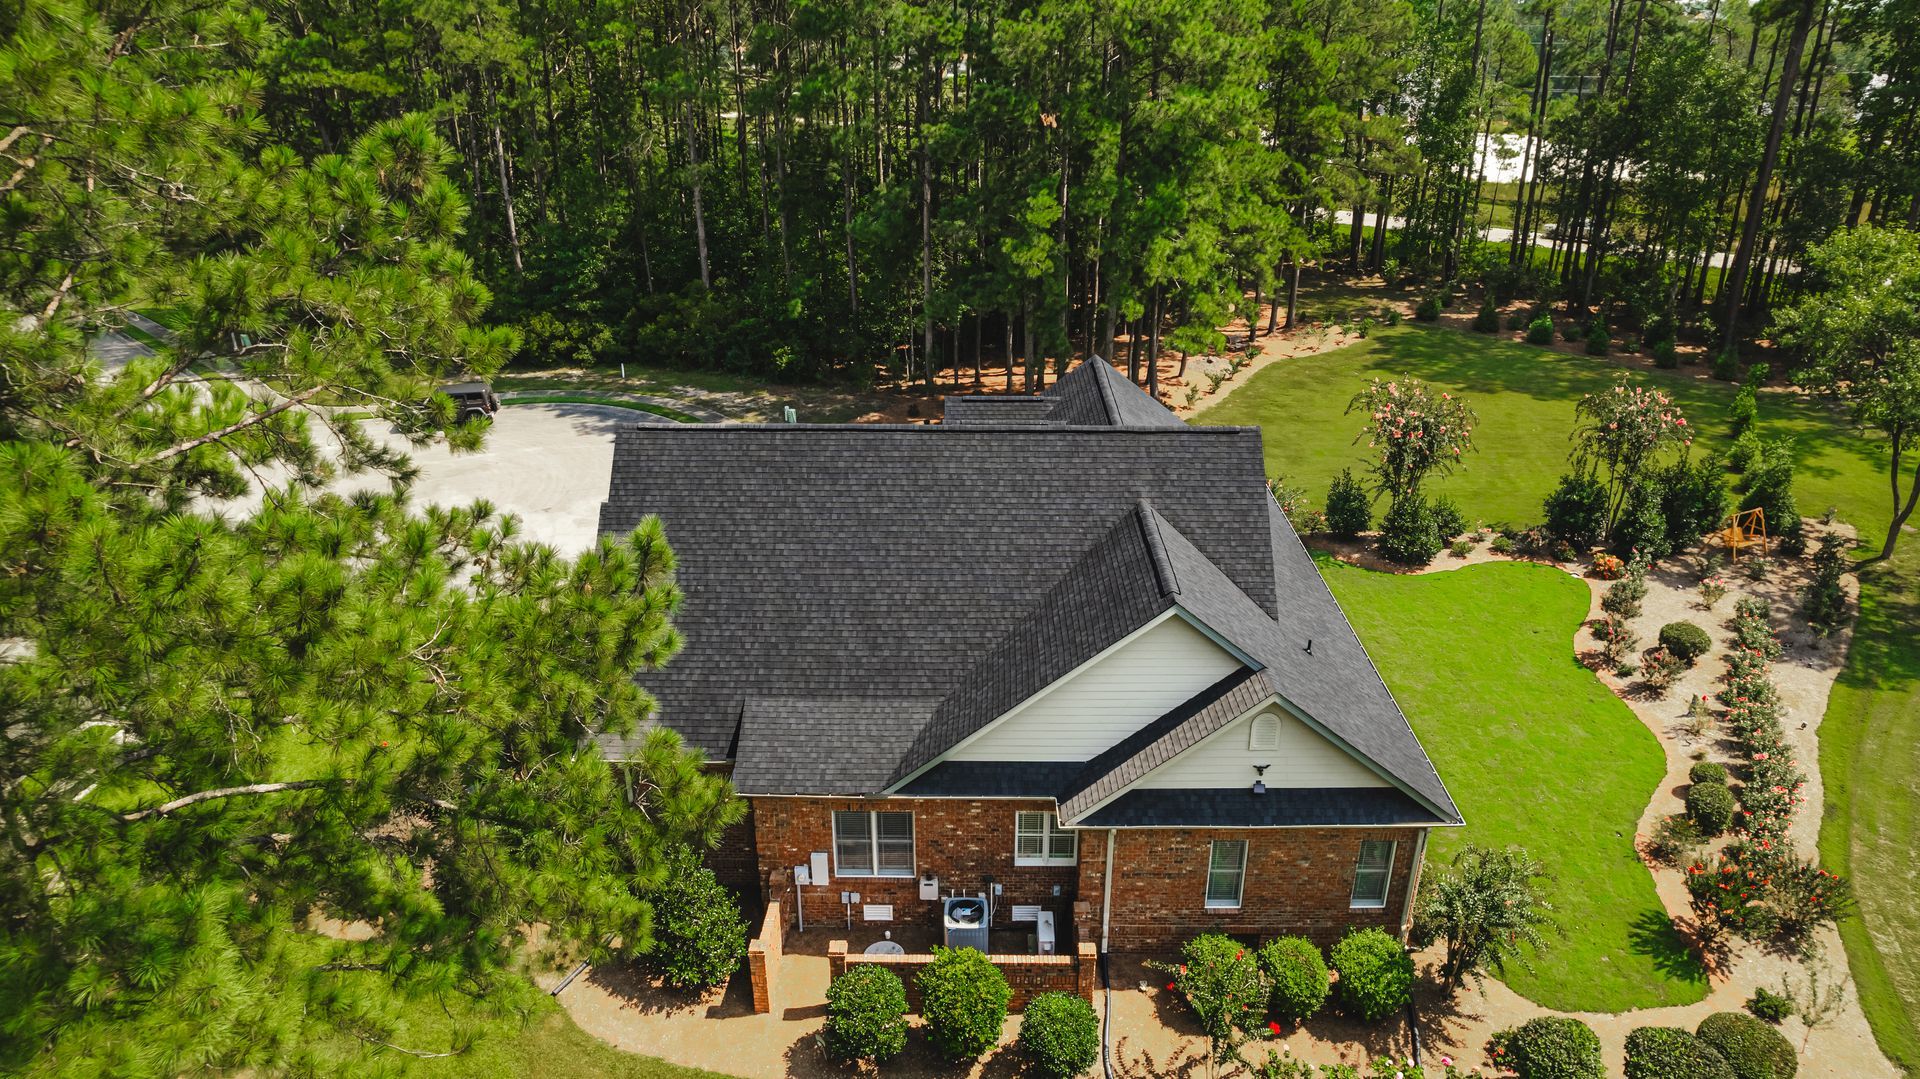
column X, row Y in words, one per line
column 1413, row 431
column 1619, row 434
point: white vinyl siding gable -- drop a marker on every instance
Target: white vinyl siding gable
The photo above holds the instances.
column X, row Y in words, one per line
column 1131, row 686
column 1301, row 758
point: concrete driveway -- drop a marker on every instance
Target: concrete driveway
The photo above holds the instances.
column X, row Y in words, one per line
column 547, row 464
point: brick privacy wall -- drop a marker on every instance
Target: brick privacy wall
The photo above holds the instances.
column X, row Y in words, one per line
column 1299, row 881
column 1027, row 976
column 960, row 840
column 763, row 957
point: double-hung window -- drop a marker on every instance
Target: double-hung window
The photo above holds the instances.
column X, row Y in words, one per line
column 872, row 843
column 1038, row 839
column 1372, row 873
column 1226, row 872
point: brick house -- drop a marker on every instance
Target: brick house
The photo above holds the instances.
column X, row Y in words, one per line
column 1061, row 650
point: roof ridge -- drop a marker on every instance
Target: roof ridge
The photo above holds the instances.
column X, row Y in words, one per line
column 1107, row 401
column 1164, row 576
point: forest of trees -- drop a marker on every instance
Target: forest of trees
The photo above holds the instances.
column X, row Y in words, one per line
column 802, row 187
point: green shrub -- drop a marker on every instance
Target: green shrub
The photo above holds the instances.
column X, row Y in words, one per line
column 1349, row 510
column 1707, row 772
column 1520, row 319
column 1462, row 547
column 1745, row 451
column 1686, row 641
column 1693, row 500
column 1540, row 331
column 1642, row 523
column 1577, row 510
column 1824, row 603
column 1769, row 487
column 1556, row 1047
column 1376, row 974
column 1390, row 315
column 963, row 998
column 1710, row 807
column 866, row 1014
column 1726, row 367
column 1744, row 411
column 698, row 932
column 1429, row 309
column 1672, row 1053
column 1623, row 597
column 1753, row 1049
column 1060, row 1035
column 1407, row 532
column 1769, row 1006
column 1665, row 356
column 1298, row 976
column 1448, row 521
column 1487, row 319
column 1501, row 544
column 1598, row 341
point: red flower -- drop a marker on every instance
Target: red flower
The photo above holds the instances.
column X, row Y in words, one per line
column 1275, row 1027
column 1169, row 987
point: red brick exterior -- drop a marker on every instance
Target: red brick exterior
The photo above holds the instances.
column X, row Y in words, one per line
column 962, row 841
column 1027, row 975
column 1299, row 880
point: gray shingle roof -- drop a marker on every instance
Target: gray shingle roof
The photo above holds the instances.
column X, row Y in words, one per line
column 860, row 598
column 1239, row 807
column 997, row 410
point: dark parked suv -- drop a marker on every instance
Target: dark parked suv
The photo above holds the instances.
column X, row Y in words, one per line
column 474, row 400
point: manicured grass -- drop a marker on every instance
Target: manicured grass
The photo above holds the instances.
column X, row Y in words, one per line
column 1537, row 753
column 548, row 1046
column 1525, row 398
column 611, row 402
column 1870, row 825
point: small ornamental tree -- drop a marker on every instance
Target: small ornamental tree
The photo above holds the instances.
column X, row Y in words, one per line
column 1298, row 976
column 1686, row 641
column 1376, row 974
column 1824, row 604
column 1220, row 980
column 1620, row 432
column 1484, row 908
column 1349, row 509
column 866, row 1014
column 963, row 998
column 699, row 934
column 1416, row 432
column 1059, row 1035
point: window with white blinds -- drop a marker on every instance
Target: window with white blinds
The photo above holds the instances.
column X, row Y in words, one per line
column 1038, row 839
column 1372, row 874
column 872, row 843
column 1226, row 872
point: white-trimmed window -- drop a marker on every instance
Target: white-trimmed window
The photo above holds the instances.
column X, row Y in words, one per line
column 1226, row 872
column 1038, row 839
column 1372, row 874
column 872, row 843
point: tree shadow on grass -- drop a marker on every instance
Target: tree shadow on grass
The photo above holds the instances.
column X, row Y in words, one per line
column 1654, row 935
column 1884, row 656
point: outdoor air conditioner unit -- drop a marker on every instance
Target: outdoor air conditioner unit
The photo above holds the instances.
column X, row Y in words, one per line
column 965, row 921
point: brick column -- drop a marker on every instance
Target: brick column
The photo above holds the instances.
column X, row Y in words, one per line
column 1087, row 964
column 763, row 955
column 836, row 958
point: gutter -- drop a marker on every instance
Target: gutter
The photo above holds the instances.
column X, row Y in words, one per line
column 1106, row 979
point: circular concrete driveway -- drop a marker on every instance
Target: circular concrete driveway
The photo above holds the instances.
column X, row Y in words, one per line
column 547, row 464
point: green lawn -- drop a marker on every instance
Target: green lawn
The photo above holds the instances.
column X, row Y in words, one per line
column 673, row 414
column 1537, row 752
column 548, row 1046
column 1525, row 398
column 1869, row 756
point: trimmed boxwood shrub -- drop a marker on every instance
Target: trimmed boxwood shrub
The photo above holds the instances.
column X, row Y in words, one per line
column 698, row 932
column 1707, row 772
column 1710, row 807
column 866, row 1014
column 1349, row 510
column 1448, row 521
column 1298, row 975
column 1540, row 331
column 1059, row 1035
column 1556, row 1047
column 1598, row 341
column 1487, row 319
column 1429, row 309
column 1752, row 1049
column 1376, row 974
column 963, row 998
column 1672, row 1053
column 1686, row 641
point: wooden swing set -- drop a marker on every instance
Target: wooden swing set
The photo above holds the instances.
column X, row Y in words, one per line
column 1746, row 528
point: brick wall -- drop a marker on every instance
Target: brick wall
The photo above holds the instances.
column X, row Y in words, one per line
column 1027, row 975
column 962, row 841
column 763, row 957
column 1299, row 880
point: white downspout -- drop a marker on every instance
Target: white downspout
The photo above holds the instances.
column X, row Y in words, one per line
column 1106, row 890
